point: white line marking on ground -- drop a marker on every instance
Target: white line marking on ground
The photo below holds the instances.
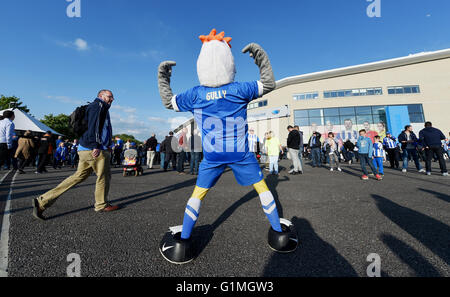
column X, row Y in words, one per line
column 4, row 234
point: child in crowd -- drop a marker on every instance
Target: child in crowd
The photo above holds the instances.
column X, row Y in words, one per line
column 60, row 155
column 365, row 149
column 273, row 148
column 332, row 151
column 379, row 155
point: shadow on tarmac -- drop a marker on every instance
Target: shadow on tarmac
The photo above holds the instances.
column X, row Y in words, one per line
column 442, row 196
column 409, row 256
column 430, row 232
column 314, row 257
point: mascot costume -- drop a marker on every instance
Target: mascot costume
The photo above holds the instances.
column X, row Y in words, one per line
column 217, row 101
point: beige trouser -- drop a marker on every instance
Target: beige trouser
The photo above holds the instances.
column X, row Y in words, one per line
column 86, row 166
column 150, row 158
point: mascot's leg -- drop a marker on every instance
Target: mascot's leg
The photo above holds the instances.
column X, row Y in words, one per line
column 192, row 211
column 176, row 246
column 268, row 204
column 282, row 236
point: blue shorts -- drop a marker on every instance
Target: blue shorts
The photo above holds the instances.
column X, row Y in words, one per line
column 247, row 172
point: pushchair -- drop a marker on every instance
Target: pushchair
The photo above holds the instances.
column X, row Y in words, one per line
column 131, row 163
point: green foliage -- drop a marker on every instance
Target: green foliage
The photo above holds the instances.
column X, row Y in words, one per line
column 126, row 137
column 60, row 124
column 12, row 102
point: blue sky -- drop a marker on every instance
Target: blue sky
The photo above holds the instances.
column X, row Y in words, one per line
column 55, row 63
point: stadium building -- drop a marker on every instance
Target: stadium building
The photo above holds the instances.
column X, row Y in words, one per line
column 381, row 96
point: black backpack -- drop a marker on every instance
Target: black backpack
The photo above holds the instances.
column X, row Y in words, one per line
column 78, row 121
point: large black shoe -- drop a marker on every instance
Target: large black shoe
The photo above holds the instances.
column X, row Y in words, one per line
column 37, row 211
column 176, row 250
column 286, row 241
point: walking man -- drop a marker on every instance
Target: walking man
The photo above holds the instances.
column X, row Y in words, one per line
column 150, row 145
column 431, row 140
column 293, row 144
column 94, row 153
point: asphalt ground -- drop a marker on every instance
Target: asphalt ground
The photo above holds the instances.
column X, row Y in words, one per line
column 339, row 218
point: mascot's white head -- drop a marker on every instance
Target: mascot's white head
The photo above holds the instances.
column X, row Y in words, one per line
column 215, row 64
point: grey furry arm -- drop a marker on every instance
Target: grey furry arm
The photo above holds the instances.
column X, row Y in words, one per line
column 265, row 68
column 165, row 91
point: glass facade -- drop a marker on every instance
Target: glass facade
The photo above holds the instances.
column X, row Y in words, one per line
column 353, row 92
column 346, row 121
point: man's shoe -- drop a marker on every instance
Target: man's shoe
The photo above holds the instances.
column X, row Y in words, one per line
column 422, row 170
column 339, row 169
column 37, row 210
column 364, row 177
column 445, row 174
column 21, row 171
column 428, row 173
column 378, row 177
column 404, row 170
column 110, row 208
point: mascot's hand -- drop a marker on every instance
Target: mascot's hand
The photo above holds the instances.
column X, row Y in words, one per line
column 164, row 73
column 253, row 48
column 265, row 69
column 165, row 68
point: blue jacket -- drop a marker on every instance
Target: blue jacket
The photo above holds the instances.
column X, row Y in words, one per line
column 98, row 135
column 365, row 145
column 431, row 137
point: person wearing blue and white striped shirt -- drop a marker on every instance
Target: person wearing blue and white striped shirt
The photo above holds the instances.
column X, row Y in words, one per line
column 391, row 146
column 379, row 155
column 6, row 135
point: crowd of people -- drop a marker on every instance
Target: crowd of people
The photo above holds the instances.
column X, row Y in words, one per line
column 184, row 151
column 33, row 150
column 326, row 151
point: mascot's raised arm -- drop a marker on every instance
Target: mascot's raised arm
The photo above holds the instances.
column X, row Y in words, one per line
column 219, row 105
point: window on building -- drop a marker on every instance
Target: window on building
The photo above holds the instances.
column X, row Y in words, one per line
column 254, row 105
column 403, row 90
column 358, row 115
column 306, row 96
column 353, row 92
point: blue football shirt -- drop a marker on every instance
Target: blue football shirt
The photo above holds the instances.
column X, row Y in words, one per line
column 221, row 114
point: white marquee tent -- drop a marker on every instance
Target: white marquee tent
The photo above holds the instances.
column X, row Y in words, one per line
column 24, row 121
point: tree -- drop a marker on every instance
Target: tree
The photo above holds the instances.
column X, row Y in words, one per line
column 126, row 137
column 12, row 102
column 60, row 124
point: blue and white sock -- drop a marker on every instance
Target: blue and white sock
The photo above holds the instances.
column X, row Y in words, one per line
column 190, row 217
column 270, row 208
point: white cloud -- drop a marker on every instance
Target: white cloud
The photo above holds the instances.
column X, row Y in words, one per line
column 81, row 44
column 65, row 99
column 125, row 109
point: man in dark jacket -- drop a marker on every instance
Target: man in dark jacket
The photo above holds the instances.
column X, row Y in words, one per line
column 409, row 143
column 150, row 146
column 94, row 152
column 167, row 146
column 431, row 140
column 314, row 145
column 45, row 151
column 293, row 144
